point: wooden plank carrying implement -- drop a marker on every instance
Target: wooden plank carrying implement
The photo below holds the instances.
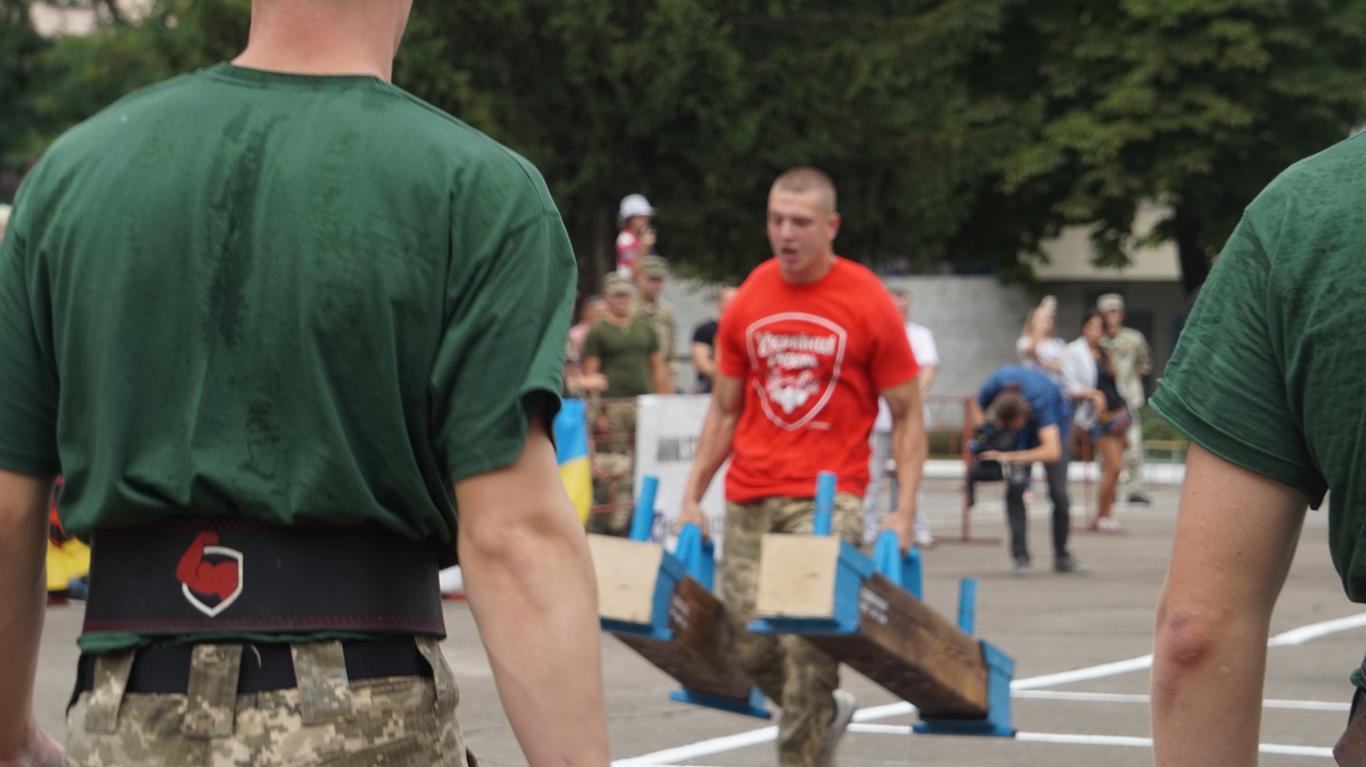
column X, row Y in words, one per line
column 869, row 615
column 660, row 604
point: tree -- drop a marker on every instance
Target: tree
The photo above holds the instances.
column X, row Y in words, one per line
column 1195, row 105
column 20, row 48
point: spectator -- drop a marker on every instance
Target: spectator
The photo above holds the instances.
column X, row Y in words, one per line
column 704, row 342
column 636, row 238
column 651, row 274
column 622, row 346
column 1089, row 380
column 1025, row 402
column 927, row 357
column 1128, row 350
column 576, row 383
column 1039, row 346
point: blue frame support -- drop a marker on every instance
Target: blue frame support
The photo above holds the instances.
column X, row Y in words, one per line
column 643, row 519
column 825, row 504
column 1000, row 670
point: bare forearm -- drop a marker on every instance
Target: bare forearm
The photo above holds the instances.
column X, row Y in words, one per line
column 910, row 447
column 713, row 447
column 23, row 534
column 926, row 379
column 1206, row 698
column 535, row 602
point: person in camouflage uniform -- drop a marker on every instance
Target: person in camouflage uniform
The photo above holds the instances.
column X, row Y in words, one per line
column 651, row 275
column 291, row 304
column 1129, row 353
column 624, row 348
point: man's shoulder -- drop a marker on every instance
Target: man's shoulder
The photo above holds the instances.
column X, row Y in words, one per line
column 1129, row 337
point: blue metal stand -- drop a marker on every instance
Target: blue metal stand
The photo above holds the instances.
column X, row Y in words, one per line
column 694, row 556
column 904, row 571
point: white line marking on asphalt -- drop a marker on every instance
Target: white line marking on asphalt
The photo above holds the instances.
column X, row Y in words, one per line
column 1120, row 740
column 1301, row 635
column 1115, row 697
column 764, row 734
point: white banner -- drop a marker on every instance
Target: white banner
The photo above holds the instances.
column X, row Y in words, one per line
column 667, row 430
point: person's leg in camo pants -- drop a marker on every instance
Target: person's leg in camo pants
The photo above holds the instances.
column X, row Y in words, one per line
column 788, row 669
column 613, row 465
column 324, row 720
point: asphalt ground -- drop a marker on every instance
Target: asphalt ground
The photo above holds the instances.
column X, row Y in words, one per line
column 1097, row 626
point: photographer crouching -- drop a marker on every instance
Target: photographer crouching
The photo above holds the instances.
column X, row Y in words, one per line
column 1022, row 418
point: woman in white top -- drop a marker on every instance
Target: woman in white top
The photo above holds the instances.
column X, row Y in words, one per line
column 1089, row 381
column 1039, row 346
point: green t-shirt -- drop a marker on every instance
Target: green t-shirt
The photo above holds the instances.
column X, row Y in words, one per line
column 1268, row 371
column 293, row 298
column 624, row 353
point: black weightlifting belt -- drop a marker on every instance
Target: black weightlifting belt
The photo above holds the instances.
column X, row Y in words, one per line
column 201, row 575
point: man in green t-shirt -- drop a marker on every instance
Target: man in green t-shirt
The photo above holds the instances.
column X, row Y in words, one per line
column 624, row 348
column 1266, row 382
column 280, row 325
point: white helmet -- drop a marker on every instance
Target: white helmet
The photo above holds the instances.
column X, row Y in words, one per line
column 633, row 205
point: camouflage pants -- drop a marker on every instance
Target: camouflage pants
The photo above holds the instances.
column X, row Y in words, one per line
column 325, row 720
column 788, row 669
column 614, row 441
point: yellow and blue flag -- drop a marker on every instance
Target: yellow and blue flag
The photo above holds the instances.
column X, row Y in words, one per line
column 571, row 452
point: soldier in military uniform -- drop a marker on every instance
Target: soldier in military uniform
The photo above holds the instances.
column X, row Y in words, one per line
column 1129, row 353
column 650, row 277
column 624, row 348
column 277, row 322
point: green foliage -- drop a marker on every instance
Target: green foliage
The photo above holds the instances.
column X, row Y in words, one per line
column 1195, row 104
column 960, row 132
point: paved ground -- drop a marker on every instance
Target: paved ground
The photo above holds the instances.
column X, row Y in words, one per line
column 1049, row 623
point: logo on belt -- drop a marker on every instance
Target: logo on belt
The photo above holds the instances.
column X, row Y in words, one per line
column 210, row 575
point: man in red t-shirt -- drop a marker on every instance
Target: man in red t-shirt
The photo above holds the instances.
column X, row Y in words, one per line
column 806, row 348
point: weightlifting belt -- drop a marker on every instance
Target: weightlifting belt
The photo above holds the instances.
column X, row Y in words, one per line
column 222, row 574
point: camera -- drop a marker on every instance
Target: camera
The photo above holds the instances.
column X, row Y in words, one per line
column 990, row 437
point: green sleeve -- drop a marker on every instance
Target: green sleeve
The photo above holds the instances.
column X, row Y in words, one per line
column 28, row 380
column 508, row 312
column 1225, row 386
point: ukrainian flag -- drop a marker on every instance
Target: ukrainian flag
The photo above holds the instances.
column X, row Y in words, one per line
column 571, row 451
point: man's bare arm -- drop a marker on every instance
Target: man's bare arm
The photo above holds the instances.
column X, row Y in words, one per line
column 23, row 598
column 1236, row 533
column 663, row 380
column 1048, row 451
column 530, row 584
column 713, row 447
column 926, row 378
column 909, row 448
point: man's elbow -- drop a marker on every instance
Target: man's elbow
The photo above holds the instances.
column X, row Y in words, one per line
column 524, row 540
column 1185, row 643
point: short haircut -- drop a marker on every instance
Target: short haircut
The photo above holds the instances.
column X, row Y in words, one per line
column 806, row 179
column 1009, row 404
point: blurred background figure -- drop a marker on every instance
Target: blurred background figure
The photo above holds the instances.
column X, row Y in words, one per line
column 927, row 356
column 1089, row 380
column 1039, row 346
column 636, row 238
column 1129, row 352
column 576, row 383
column 704, row 342
column 651, row 273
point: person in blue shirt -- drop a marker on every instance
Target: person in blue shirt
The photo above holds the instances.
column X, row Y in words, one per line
column 1027, row 403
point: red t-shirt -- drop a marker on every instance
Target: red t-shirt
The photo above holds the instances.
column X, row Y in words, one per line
column 813, row 360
